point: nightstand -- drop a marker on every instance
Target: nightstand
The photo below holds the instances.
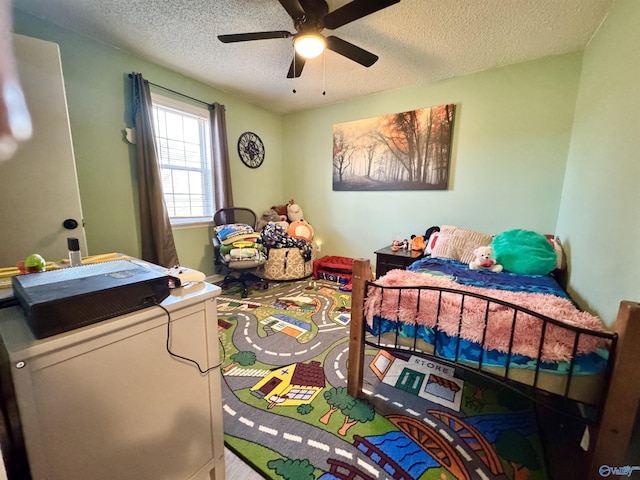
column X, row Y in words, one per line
column 388, row 260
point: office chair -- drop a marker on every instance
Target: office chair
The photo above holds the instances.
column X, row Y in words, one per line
column 244, row 268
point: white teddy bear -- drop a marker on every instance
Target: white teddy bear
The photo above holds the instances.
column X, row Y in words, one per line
column 294, row 212
column 484, row 260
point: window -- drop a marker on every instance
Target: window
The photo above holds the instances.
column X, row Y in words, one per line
column 300, row 393
column 183, row 136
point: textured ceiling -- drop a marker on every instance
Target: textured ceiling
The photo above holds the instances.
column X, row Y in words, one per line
column 418, row 41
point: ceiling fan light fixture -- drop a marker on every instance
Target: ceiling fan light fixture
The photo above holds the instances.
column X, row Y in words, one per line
column 309, row 45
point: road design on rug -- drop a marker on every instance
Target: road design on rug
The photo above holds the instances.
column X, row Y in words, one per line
column 287, row 411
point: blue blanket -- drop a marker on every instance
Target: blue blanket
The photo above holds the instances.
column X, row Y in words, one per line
column 514, row 282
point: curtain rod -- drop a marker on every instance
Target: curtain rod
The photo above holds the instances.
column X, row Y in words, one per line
column 173, row 91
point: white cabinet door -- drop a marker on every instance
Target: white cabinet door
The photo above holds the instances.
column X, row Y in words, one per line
column 38, row 186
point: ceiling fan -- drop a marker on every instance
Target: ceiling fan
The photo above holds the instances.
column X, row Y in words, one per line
column 310, row 17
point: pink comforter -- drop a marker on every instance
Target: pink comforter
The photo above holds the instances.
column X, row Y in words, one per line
column 558, row 341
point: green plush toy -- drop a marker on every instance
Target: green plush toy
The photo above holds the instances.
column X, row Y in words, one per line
column 524, row 252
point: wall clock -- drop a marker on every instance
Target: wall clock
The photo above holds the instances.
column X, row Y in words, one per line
column 251, row 149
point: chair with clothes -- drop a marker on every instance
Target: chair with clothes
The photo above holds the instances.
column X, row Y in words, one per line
column 237, row 247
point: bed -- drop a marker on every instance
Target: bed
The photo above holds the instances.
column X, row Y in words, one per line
column 486, row 324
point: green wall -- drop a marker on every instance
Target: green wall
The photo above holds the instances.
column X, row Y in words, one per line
column 549, row 145
column 511, row 137
column 98, row 92
column 598, row 221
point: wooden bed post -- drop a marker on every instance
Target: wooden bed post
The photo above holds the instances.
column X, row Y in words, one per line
column 614, row 432
column 361, row 274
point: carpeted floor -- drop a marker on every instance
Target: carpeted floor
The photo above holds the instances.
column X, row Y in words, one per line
column 288, row 415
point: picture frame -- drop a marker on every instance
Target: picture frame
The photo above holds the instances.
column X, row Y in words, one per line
column 399, row 151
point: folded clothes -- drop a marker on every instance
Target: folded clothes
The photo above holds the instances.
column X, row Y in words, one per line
column 244, row 254
column 225, row 249
column 232, row 232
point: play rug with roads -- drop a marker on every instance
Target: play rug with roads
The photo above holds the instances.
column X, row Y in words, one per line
column 287, row 413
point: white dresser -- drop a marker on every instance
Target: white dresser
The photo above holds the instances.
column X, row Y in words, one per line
column 107, row 401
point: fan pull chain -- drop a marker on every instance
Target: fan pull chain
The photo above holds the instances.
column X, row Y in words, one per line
column 324, row 71
column 294, row 66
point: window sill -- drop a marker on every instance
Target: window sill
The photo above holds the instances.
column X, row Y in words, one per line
column 195, row 224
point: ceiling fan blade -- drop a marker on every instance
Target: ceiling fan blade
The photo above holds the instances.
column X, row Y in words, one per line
column 353, row 11
column 293, row 8
column 245, row 37
column 297, row 63
column 351, row 51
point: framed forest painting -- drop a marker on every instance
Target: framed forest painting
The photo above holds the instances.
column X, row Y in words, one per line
column 399, row 151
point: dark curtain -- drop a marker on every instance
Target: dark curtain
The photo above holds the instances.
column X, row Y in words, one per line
column 157, row 237
column 223, row 194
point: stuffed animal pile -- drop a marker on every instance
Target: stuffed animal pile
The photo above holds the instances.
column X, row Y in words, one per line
column 271, row 216
column 284, row 226
column 290, row 217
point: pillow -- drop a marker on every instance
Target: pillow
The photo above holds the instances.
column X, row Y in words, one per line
column 458, row 244
column 524, row 252
column 431, row 237
column 431, row 243
column 301, row 230
column 232, row 232
column 561, row 262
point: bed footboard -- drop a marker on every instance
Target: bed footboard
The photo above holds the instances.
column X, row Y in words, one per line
column 612, row 436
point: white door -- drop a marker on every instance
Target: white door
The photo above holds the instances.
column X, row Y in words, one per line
column 38, row 186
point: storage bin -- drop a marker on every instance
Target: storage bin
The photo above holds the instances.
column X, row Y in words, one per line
column 287, row 264
column 334, row 268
